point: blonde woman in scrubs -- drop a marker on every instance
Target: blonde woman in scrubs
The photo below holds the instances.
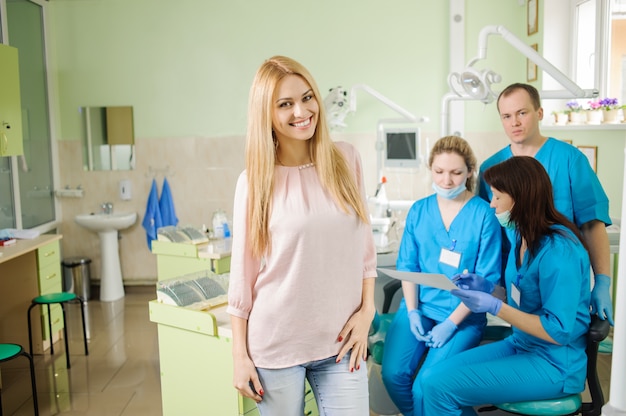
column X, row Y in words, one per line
column 448, row 232
column 301, row 295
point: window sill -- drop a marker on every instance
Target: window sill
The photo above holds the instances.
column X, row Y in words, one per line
column 570, row 127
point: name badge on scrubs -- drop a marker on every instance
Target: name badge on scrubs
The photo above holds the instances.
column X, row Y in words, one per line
column 450, row 258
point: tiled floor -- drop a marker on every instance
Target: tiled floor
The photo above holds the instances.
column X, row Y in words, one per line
column 119, row 377
column 121, row 374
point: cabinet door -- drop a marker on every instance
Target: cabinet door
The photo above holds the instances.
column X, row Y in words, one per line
column 10, row 103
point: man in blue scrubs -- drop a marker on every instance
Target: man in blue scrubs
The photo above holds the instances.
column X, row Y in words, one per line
column 578, row 193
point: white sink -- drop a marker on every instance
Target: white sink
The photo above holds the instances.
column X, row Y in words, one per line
column 107, row 226
column 107, row 222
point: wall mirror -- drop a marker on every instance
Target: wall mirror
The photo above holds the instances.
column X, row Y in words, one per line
column 109, row 138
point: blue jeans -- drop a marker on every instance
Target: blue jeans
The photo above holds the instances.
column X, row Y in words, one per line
column 337, row 390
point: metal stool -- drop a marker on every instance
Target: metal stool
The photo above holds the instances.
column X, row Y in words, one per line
column 61, row 298
column 11, row 351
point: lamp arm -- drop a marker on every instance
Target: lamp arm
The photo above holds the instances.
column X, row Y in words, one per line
column 406, row 114
column 445, row 110
column 531, row 54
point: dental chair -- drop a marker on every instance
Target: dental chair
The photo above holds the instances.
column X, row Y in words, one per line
column 572, row 404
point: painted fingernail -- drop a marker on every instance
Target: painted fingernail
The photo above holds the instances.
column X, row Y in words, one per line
column 261, row 392
column 340, row 338
column 358, row 367
column 352, row 370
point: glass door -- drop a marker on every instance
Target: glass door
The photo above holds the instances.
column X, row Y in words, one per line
column 25, row 26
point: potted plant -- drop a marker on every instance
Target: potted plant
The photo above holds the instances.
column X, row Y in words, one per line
column 594, row 112
column 560, row 117
column 610, row 110
column 576, row 112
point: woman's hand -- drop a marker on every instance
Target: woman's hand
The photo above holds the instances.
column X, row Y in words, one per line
column 355, row 333
column 472, row 281
column 246, row 379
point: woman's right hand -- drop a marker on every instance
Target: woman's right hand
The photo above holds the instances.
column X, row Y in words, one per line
column 246, row 379
column 472, row 281
column 415, row 323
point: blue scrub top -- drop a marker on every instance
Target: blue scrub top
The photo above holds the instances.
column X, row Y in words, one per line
column 474, row 234
column 578, row 193
column 554, row 284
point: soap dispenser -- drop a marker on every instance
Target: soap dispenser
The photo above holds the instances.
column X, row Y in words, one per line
column 125, row 189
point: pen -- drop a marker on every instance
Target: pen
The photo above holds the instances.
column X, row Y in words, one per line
column 458, row 277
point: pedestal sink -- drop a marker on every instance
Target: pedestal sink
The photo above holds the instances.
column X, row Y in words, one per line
column 107, row 227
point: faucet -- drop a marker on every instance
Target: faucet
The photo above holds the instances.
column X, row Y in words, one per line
column 107, row 207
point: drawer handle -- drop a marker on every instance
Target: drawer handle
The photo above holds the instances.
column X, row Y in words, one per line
column 50, row 253
column 51, row 276
column 56, row 321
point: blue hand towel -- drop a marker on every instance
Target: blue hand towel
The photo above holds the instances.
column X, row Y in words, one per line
column 166, row 205
column 152, row 218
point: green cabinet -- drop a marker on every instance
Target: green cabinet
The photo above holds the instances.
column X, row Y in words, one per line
column 10, row 103
column 195, row 347
column 50, row 281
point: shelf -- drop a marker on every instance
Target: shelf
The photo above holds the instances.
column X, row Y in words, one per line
column 575, row 127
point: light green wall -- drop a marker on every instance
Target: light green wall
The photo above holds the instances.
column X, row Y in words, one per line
column 610, row 158
column 186, row 65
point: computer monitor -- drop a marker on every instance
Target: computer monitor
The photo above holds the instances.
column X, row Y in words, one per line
column 401, row 147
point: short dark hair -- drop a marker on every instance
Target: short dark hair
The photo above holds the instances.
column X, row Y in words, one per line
column 532, row 92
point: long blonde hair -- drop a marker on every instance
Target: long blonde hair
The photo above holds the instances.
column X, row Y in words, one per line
column 331, row 166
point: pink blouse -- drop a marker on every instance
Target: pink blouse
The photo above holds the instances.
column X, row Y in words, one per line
column 298, row 298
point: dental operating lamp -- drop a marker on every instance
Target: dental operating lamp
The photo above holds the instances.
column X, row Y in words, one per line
column 473, row 84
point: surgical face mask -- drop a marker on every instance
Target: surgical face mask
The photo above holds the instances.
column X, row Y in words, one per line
column 504, row 218
column 449, row 193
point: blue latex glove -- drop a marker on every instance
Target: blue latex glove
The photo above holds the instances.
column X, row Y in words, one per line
column 415, row 323
column 472, row 281
column 441, row 333
column 601, row 299
column 477, row 301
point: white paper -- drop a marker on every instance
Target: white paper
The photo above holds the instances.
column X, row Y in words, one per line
column 440, row 281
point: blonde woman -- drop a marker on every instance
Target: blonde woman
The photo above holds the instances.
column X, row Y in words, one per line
column 301, row 294
column 448, row 232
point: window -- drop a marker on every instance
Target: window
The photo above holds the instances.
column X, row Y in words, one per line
column 602, row 23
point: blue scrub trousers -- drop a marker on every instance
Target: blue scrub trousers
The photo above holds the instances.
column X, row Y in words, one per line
column 337, row 390
column 491, row 373
column 403, row 352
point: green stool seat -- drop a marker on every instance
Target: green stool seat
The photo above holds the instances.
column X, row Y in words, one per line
column 60, row 298
column 572, row 404
column 552, row 407
column 54, row 298
column 11, row 351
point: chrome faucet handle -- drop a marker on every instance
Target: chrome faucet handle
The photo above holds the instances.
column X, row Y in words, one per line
column 107, row 207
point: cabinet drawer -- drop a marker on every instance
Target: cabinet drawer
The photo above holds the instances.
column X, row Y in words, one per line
column 50, row 279
column 48, row 254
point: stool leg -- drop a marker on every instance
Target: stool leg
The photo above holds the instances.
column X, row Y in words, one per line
column 30, row 332
column 82, row 314
column 0, row 402
column 50, row 330
column 67, row 347
column 32, row 381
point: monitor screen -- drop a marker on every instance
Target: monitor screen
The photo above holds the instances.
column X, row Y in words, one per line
column 402, row 147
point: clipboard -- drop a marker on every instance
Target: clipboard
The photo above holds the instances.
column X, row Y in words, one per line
column 440, row 281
